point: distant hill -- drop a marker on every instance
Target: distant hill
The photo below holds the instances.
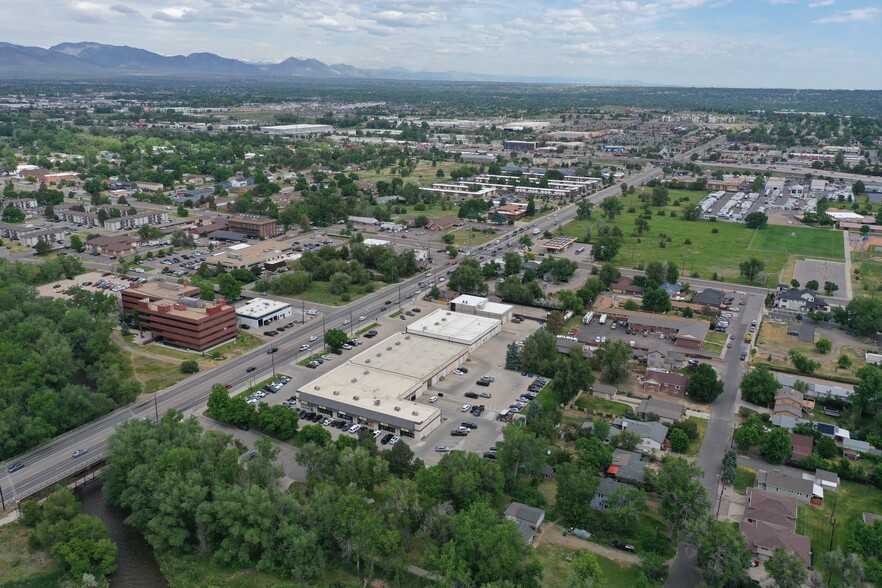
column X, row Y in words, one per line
column 87, row 60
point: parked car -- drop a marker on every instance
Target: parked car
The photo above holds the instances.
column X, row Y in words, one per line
column 433, row 399
column 441, row 449
column 465, row 407
column 470, row 395
column 469, row 425
column 624, row 546
column 459, row 433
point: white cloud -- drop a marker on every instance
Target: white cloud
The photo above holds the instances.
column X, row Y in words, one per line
column 90, row 12
column 854, row 15
column 821, row 3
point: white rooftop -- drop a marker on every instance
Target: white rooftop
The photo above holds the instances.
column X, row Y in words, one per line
column 845, row 216
column 375, row 242
column 260, row 307
column 453, row 326
column 239, row 246
column 468, row 300
column 410, row 355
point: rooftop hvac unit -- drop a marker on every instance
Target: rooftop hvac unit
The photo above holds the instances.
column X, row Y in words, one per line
column 377, row 402
column 355, row 397
column 397, row 343
column 336, row 393
column 317, row 387
column 397, row 409
column 407, row 337
column 389, row 348
column 368, row 360
column 354, row 380
column 415, row 413
column 379, row 354
column 365, row 372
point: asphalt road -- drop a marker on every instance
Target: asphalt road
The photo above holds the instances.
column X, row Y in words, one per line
column 719, row 432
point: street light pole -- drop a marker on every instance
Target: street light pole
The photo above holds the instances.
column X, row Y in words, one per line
column 155, row 407
column 272, row 355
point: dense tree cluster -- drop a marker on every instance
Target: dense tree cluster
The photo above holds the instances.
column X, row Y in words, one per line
column 60, row 368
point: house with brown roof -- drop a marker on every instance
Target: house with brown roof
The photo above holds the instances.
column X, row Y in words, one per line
column 657, row 381
column 444, row 224
column 802, row 446
column 113, row 245
column 625, row 285
column 769, row 523
column 790, row 402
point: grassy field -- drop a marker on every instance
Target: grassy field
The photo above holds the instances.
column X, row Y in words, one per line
column 154, row 374
column 800, row 241
column 595, row 405
column 744, row 478
column 320, row 293
column 695, row 444
column 708, row 252
column 774, row 342
column 556, row 569
column 423, row 174
column 469, row 238
column 852, row 500
column 364, row 330
column 714, row 341
column 19, row 566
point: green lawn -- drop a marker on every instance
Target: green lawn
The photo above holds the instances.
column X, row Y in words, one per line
column 364, row 330
column 708, row 252
column 744, row 478
column 556, row 569
column 695, row 444
column 595, row 405
column 21, row 566
column 320, row 293
column 800, row 241
column 853, row 499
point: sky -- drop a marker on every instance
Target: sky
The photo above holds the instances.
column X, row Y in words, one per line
column 730, row 43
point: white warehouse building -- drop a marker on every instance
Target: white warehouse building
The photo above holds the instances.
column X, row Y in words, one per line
column 478, row 306
column 380, row 386
column 261, row 311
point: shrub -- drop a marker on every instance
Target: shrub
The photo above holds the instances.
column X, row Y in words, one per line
column 687, row 242
column 189, row 366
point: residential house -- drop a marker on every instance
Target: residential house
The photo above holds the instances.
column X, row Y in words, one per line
column 627, row 465
column 667, row 412
column 625, row 285
column 856, row 446
column 709, row 297
column 604, row 492
column 527, row 518
column 512, row 212
column 671, row 289
column 817, row 389
column 604, row 391
column 802, row 446
column 113, row 246
column 769, row 523
column 870, row 518
column 778, row 482
column 803, row 300
column 149, row 186
column 51, row 236
column 827, row 480
column 652, row 434
column 788, row 402
column 657, row 381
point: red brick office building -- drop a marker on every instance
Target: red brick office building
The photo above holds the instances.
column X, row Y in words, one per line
column 173, row 314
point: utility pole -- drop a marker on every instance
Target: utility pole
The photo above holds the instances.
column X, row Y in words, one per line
column 323, row 332
column 272, row 355
column 155, row 406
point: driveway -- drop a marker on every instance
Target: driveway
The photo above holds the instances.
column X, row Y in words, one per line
column 552, row 534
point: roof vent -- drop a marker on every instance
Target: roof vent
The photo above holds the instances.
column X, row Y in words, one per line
column 336, row 393
column 368, row 360
column 415, row 413
column 379, row 354
column 377, row 402
column 397, row 343
column 407, row 337
column 318, row 387
column 397, row 409
column 355, row 397
column 354, row 380
column 389, row 348
column 365, row 372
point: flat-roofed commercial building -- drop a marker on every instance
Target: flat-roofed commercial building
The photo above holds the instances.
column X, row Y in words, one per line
column 379, row 387
column 173, row 314
column 261, row 311
column 252, row 225
column 479, row 306
column 465, row 329
column 246, row 255
column 297, row 130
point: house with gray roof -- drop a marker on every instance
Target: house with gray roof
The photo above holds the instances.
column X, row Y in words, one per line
column 797, row 487
column 802, row 300
column 603, row 391
column 668, row 412
column 709, row 297
column 527, row 518
column 652, row 434
column 627, row 466
column 604, row 491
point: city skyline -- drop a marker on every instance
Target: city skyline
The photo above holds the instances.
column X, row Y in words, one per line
column 749, row 43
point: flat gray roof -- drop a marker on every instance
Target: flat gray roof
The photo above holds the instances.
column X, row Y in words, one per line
column 453, row 326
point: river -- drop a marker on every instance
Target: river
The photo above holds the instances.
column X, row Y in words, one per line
column 136, row 566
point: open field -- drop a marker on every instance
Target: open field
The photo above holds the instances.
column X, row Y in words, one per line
column 851, row 500
column 801, row 241
column 423, row 174
column 708, row 252
column 469, row 238
column 773, row 341
column 154, row 374
column 243, row 343
column 19, row 566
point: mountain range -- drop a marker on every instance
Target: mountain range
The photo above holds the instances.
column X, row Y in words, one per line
column 87, row 60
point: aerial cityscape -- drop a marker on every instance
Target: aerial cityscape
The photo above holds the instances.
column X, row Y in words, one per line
column 573, row 295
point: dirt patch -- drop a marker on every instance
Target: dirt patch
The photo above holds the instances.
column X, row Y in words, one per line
column 774, row 342
column 552, row 534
